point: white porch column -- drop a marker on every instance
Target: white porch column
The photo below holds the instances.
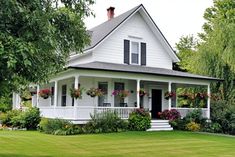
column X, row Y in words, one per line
column 38, row 89
column 208, row 101
column 169, row 101
column 76, row 82
column 55, row 94
column 137, row 93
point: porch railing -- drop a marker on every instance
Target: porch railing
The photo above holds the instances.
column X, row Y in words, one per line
column 183, row 111
column 83, row 112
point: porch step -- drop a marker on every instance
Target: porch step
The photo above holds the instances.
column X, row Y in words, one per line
column 160, row 125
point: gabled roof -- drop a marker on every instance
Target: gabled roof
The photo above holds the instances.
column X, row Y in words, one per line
column 100, row 32
column 139, row 69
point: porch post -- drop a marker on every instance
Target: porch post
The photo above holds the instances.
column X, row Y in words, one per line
column 76, row 82
column 55, row 94
column 38, row 89
column 169, row 101
column 137, row 93
column 208, row 101
column 55, row 97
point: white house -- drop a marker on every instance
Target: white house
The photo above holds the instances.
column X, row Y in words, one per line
column 127, row 52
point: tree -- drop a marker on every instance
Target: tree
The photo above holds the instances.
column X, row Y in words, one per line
column 217, row 51
column 186, row 49
column 37, row 36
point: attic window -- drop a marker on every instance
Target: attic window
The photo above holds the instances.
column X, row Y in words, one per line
column 135, row 51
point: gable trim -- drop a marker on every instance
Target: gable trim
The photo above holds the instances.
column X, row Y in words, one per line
column 93, row 47
column 170, row 50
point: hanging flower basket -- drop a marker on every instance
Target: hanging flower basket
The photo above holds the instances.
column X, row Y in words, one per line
column 121, row 93
column 169, row 95
column 93, row 92
column 76, row 93
column 142, row 92
column 45, row 93
column 202, row 96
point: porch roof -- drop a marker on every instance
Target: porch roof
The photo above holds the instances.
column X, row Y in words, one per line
column 139, row 69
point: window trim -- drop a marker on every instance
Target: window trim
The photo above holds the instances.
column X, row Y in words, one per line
column 103, row 82
column 139, row 52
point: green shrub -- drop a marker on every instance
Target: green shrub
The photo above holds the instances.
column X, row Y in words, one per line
column 28, row 119
column 192, row 126
column 58, row 127
column 6, row 118
column 5, row 104
column 178, row 124
column 212, row 127
column 223, row 113
column 139, row 120
column 105, row 122
column 195, row 116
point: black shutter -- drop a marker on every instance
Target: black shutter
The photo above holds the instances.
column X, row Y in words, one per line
column 126, row 51
column 143, row 54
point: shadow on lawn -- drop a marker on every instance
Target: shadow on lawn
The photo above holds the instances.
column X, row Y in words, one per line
column 22, row 155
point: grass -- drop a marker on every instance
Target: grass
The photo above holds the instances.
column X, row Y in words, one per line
column 127, row 144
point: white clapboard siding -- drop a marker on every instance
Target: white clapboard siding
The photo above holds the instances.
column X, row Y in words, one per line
column 111, row 50
column 83, row 58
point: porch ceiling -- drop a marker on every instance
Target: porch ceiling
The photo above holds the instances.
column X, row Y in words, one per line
column 140, row 69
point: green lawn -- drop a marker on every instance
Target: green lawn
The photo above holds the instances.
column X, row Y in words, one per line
column 127, row 144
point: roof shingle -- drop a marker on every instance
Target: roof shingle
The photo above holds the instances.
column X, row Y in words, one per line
column 139, row 69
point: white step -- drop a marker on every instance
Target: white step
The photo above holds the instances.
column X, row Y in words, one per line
column 160, row 121
column 160, row 125
column 160, row 129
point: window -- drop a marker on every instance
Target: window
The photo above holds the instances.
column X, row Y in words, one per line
column 104, row 98
column 52, row 95
column 63, row 95
column 117, row 100
column 71, row 97
column 135, row 52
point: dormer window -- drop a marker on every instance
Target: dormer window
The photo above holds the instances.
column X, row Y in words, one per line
column 135, row 53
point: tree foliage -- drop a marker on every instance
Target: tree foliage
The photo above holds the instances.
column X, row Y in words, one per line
column 186, row 47
column 215, row 54
column 37, row 36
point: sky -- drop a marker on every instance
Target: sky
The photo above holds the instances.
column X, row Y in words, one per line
column 174, row 18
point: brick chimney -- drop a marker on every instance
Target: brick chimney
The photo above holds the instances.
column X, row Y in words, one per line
column 110, row 13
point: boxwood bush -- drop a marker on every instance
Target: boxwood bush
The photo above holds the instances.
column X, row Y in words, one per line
column 139, row 120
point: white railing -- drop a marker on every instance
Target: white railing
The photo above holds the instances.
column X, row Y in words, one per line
column 58, row 112
column 123, row 112
column 83, row 112
column 183, row 111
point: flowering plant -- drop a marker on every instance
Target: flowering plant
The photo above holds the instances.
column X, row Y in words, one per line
column 169, row 95
column 76, row 93
column 45, row 93
column 202, row 96
column 142, row 92
column 121, row 93
column 171, row 115
column 93, row 92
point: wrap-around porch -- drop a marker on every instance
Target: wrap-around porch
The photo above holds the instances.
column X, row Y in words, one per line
column 62, row 105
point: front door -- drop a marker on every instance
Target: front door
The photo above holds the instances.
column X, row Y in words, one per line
column 156, row 103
